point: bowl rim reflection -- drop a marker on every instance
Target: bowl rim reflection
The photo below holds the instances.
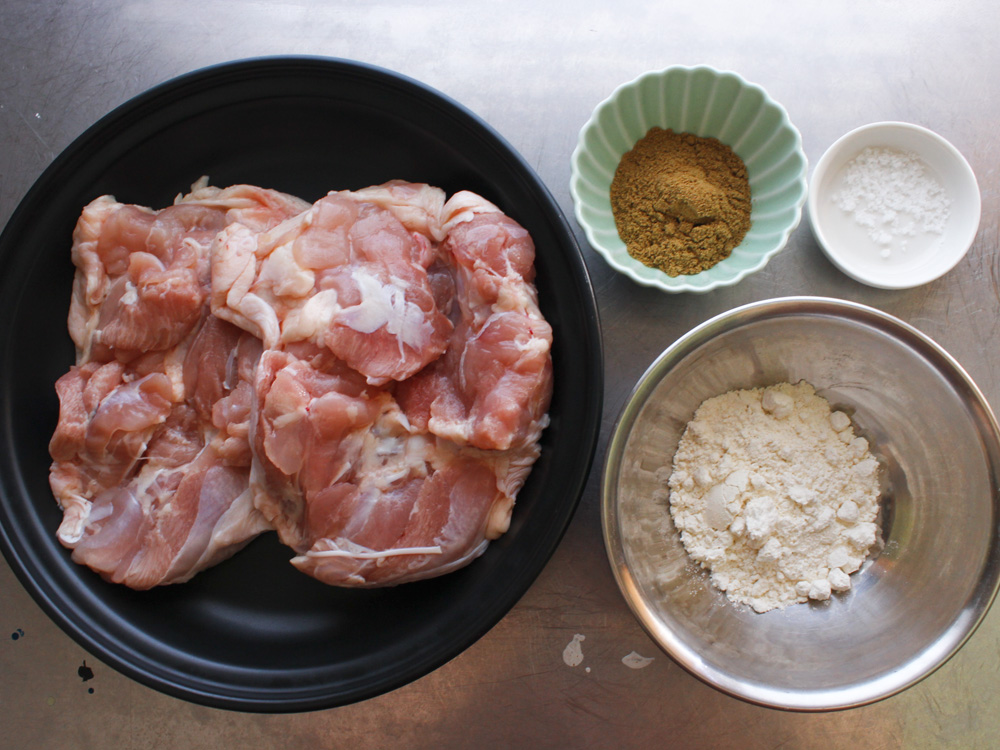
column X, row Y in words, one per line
column 889, row 683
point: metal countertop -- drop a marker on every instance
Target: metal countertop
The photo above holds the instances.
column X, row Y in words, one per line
column 535, row 71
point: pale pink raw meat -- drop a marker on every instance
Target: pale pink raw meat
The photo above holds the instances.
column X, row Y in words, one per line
column 364, row 498
column 218, row 377
column 143, row 276
column 184, row 511
column 151, row 456
column 153, row 490
column 418, row 527
column 104, row 425
column 371, row 380
column 493, row 387
column 311, row 419
column 346, row 275
column 254, row 207
column 418, row 206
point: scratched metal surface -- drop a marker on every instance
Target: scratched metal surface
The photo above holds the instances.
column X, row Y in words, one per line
column 534, row 71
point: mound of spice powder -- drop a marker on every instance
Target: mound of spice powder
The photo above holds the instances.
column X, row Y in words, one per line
column 681, row 202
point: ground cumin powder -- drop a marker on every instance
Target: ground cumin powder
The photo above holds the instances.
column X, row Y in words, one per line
column 681, row 202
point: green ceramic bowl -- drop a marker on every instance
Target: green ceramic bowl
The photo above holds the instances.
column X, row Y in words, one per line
column 708, row 103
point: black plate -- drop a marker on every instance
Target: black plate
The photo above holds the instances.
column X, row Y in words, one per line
column 252, row 633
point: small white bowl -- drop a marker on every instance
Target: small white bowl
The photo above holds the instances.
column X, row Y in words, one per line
column 905, row 261
column 712, row 104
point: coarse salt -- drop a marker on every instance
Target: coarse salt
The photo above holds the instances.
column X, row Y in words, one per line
column 892, row 194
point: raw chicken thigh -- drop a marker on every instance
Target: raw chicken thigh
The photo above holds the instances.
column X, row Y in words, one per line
column 151, row 457
column 105, row 423
column 143, row 276
column 155, row 488
column 369, row 375
column 347, row 275
column 492, row 387
column 364, row 497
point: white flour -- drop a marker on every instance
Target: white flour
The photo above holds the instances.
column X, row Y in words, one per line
column 774, row 495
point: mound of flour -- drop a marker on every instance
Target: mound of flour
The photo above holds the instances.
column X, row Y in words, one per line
column 774, row 494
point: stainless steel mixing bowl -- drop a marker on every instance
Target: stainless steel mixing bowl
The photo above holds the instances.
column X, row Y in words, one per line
column 915, row 600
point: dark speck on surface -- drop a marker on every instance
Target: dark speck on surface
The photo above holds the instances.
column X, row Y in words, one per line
column 85, row 672
column 17, row 634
